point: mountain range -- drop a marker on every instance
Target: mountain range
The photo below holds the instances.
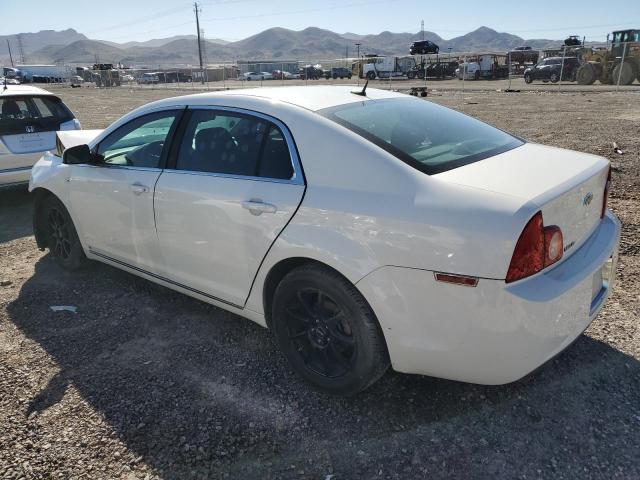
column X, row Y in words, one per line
column 312, row 44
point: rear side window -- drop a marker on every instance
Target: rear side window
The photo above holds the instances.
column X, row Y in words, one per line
column 234, row 144
column 26, row 114
column 429, row 137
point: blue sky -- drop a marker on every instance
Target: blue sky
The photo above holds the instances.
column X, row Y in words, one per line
column 125, row 20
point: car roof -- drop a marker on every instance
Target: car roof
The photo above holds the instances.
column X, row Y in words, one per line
column 22, row 90
column 308, row 97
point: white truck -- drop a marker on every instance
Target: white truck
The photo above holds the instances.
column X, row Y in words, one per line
column 382, row 67
column 43, row 73
column 486, row 65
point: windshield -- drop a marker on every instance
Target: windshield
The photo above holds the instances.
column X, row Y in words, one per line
column 37, row 113
column 429, row 137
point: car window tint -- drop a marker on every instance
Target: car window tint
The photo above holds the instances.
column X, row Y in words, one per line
column 138, row 143
column 39, row 113
column 275, row 161
column 227, row 143
column 427, row 136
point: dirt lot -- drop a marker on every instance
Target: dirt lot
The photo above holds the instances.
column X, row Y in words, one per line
column 143, row 382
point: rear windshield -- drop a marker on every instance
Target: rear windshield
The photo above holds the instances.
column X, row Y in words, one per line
column 429, row 137
column 29, row 113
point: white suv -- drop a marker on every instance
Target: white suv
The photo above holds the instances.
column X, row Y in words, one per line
column 29, row 119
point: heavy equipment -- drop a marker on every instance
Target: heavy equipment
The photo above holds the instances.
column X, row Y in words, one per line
column 619, row 62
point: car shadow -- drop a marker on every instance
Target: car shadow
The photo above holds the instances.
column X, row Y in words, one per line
column 198, row 392
column 16, row 205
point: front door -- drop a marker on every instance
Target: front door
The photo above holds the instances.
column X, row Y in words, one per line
column 236, row 184
column 112, row 201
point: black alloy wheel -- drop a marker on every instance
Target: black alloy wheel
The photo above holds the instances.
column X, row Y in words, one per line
column 327, row 330
column 59, row 238
column 61, row 235
column 321, row 333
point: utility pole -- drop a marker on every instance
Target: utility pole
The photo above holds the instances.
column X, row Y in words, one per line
column 346, row 56
column 21, row 49
column 10, row 56
column 358, row 61
column 422, row 29
column 197, row 9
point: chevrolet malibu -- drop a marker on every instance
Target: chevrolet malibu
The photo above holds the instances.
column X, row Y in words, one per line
column 363, row 228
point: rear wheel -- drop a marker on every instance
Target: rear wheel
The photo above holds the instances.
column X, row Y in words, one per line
column 62, row 238
column 554, row 77
column 624, row 71
column 327, row 331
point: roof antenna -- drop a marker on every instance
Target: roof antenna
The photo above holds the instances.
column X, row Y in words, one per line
column 362, row 93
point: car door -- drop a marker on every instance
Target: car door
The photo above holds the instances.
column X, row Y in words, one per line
column 236, row 182
column 112, row 200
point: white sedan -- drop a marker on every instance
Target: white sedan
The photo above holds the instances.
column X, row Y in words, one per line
column 257, row 76
column 365, row 230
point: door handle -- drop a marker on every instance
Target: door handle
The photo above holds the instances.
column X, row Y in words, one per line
column 139, row 188
column 258, row 207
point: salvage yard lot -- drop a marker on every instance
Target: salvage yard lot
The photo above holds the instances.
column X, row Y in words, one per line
column 143, row 382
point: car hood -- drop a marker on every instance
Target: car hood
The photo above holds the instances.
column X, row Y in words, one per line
column 71, row 138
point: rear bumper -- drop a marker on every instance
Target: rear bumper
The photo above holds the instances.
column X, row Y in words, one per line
column 493, row 333
column 14, row 176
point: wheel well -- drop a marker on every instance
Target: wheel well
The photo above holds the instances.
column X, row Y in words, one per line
column 39, row 194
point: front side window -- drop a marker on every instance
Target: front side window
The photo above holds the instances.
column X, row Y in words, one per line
column 140, row 142
column 234, row 144
column 429, row 137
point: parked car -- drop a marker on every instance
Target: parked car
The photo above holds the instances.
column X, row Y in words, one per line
column 9, row 81
column 149, row 79
column 29, row 118
column 267, row 76
column 281, row 75
column 253, row 76
column 549, row 70
column 423, row 47
column 310, row 72
column 363, row 227
column 338, row 72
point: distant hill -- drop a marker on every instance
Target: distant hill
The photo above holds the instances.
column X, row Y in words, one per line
column 310, row 44
column 32, row 42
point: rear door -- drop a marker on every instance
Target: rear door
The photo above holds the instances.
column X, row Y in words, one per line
column 235, row 184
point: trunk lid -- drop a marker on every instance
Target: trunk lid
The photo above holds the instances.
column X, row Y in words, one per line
column 567, row 186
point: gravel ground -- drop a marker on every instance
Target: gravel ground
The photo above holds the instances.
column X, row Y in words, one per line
column 143, row 382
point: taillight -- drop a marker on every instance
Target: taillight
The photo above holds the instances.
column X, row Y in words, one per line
column 605, row 200
column 537, row 248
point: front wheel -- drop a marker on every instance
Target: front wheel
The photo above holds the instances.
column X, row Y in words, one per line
column 327, row 331
column 62, row 238
column 527, row 78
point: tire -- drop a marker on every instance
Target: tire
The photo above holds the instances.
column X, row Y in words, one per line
column 371, row 75
column 335, row 76
column 411, row 75
column 554, row 77
column 527, row 78
column 476, row 75
column 586, row 74
column 625, row 72
column 62, row 238
column 327, row 331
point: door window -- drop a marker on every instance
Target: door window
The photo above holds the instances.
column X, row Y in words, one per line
column 234, row 144
column 140, row 142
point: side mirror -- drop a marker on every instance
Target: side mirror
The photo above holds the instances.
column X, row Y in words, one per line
column 79, row 154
